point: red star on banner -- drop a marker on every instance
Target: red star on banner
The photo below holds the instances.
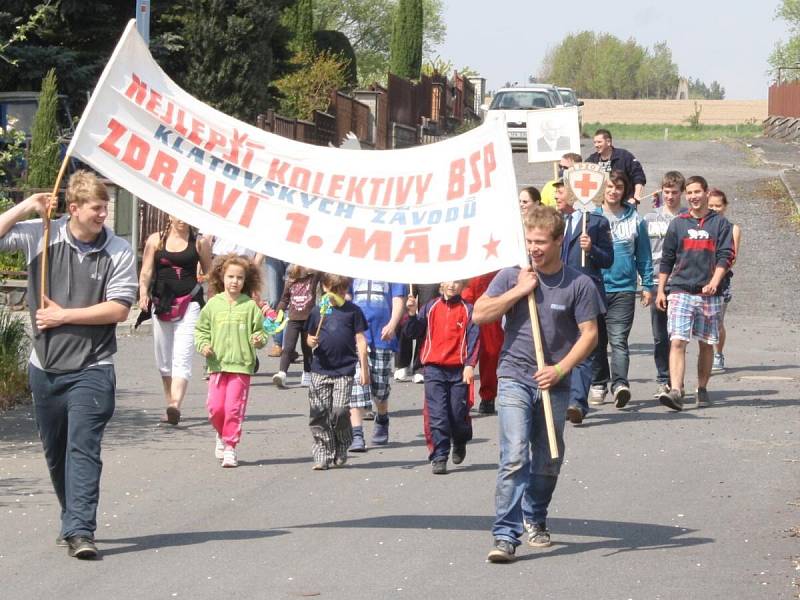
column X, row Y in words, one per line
column 491, row 246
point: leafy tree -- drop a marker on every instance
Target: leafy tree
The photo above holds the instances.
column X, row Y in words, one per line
column 787, row 54
column 405, row 49
column 230, row 58
column 43, row 160
column 310, row 86
column 603, row 66
column 368, row 26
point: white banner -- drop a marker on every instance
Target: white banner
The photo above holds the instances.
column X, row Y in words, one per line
column 432, row 213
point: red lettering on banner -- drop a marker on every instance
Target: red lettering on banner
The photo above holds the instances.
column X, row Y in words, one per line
column 489, row 164
column 180, row 123
column 137, row 90
column 422, row 186
column 154, row 102
column 249, row 210
column 316, row 189
column 355, row 188
column 379, row 243
column 448, row 253
column 455, row 187
column 298, row 227
column 164, row 167
column 115, row 132
column 300, row 179
column 387, row 194
column 415, row 243
column 215, row 138
column 474, row 159
column 220, row 205
column 277, row 171
column 197, row 130
column 335, row 186
column 237, row 143
column 404, row 185
column 376, row 186
column 136, row 152
column 193, row 183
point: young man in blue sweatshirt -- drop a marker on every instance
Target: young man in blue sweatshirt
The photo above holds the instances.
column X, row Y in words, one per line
column 696, row 256
column 631, row 256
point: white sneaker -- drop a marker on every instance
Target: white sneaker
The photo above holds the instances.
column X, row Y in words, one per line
column 279, row 379
column 219, row 448
column 419, row 378
column 401, row 374
column 305, row 380
column 229, row 458
column 597, row 395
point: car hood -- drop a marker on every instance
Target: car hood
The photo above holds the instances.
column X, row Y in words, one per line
column 520, row 117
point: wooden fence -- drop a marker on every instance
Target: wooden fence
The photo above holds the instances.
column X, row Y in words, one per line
column 784, row 100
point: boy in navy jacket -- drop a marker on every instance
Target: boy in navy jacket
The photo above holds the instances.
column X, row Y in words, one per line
column 449, row 354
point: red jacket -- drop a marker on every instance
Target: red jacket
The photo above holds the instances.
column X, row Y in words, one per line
column 451, row 338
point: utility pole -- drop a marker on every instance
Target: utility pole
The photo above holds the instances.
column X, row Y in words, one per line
column 143, row 27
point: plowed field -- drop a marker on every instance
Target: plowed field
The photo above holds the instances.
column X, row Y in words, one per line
column 673, row 112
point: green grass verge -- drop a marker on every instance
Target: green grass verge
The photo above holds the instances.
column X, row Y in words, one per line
column 655, row 131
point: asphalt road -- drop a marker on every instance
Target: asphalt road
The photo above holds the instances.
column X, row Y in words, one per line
column 650, row 504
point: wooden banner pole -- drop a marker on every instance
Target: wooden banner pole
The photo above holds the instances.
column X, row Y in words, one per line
column 546, row 403
column 51, row 205
column 583, row 229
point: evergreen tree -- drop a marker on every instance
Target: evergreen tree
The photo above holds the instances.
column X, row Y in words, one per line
column 304, row 26
column 43, row 161
column 405, row 49
column 230, row 56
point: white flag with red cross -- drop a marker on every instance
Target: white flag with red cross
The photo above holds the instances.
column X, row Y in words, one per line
column 586, row 183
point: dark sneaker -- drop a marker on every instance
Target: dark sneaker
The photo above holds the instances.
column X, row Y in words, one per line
column 622, row 396
column 358, row 444
column 503, row 552
column 439, row 467
column 380, row 432
column 672, row 399
column 82, row 547
column 486, row 407
column 701, row 395
column 661, row 388
column 340, row 461
column 575, row 415
column 539, row 536
column 459, row 453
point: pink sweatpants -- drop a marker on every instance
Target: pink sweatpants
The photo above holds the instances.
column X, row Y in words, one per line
column 227, row 401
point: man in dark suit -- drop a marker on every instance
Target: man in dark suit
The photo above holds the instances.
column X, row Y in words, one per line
column 599, row 249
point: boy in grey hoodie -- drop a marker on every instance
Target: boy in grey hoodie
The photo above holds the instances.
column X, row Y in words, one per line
column 90, row 287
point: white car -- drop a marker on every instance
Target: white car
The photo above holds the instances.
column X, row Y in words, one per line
column 514, row 103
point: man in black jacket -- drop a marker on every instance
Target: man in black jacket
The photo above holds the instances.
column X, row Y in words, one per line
column 618, row 159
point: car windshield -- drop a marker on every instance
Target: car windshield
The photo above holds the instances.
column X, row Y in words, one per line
column 521, row 100
column 568, row 96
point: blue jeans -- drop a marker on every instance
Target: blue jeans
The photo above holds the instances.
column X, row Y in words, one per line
column 619, row 321
column 274, row 277
column 72, row 410
column 658, row 323
column 580, row 379
column 525, row 463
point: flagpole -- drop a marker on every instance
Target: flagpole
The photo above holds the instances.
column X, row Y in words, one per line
column 51, row 205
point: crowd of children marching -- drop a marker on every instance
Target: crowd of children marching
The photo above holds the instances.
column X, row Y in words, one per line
column 352, row 332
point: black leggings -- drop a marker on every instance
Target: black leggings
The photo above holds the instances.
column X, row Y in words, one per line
column 295, row 329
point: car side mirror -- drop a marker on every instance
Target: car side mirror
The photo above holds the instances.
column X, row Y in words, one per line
column 580, row 102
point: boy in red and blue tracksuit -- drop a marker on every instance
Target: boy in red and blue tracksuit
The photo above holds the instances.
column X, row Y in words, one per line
column 449, row 354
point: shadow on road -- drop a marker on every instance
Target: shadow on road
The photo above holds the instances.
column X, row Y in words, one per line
column 615, row 536
column 172, row 540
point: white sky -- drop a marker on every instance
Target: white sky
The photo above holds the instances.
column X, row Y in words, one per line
column 505, row 40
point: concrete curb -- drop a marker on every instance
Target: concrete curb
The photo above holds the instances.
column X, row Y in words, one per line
column 791, row 181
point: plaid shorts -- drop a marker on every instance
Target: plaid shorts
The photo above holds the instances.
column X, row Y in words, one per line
column 380, row 370
column 693, row 315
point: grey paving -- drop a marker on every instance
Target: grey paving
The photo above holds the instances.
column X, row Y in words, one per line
column 650, row 504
